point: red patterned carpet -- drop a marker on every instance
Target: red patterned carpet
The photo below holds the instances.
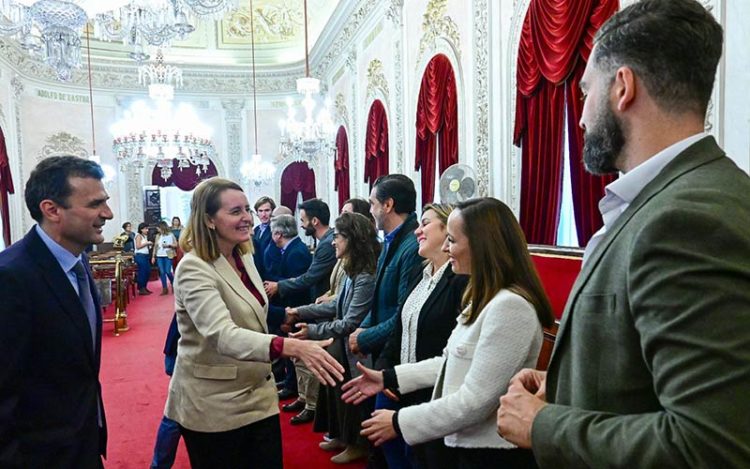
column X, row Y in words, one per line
column 135, row 387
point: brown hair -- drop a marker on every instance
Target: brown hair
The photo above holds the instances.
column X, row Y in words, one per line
column 500, row 259
column 205, row 203
column 163, row 228
column 362, row 248
column 264, row 200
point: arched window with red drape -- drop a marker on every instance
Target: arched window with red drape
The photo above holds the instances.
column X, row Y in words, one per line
column 376, row 143
column 6, row 188
column 341, row 166
column 437, row 122
column 556, row 40
column 185, row 179
column 297, row 178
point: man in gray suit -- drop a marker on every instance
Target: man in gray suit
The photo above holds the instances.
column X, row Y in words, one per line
column 652, row 362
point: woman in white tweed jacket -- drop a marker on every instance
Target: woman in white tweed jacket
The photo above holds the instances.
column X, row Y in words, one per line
column 498, row 333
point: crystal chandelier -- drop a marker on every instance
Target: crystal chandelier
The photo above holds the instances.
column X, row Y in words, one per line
column 305, row 139
column 53, row 27
column 160, row 78
column 256, row 170
column 162, row 133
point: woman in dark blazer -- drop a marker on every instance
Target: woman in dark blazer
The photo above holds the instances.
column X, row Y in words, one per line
column 428, row 315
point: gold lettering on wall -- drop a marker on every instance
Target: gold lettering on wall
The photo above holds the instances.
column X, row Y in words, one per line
column 59, row 96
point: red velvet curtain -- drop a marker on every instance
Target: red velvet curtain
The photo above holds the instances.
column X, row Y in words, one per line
column 296, row 178
column 185, row 179
column 6, row 188
column 437, row 121
column 341, row 166
column 376, row 143
column 556, row 40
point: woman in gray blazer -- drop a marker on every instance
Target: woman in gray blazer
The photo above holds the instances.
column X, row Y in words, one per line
column 498, row 333
column 221, row 393
column 356, row 244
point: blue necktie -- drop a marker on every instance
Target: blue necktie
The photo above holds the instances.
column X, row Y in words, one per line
column 87, row 301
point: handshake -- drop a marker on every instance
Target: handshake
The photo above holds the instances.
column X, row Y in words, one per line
column 291, row 318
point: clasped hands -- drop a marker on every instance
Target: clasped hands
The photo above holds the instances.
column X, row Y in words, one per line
column 271, row 288
column 519, row 406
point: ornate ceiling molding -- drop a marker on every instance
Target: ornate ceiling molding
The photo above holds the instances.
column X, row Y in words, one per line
column 344, row 37
column 114, row 75
column 435, row 24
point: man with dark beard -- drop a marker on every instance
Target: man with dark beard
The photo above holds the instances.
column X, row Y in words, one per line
column 650, row 368
column 314, row 217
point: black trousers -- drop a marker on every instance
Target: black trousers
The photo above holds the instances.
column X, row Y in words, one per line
column 470, row 458
column 257, row 445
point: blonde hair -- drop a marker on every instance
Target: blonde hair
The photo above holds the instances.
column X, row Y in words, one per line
column 206, row 201
column 441, row 210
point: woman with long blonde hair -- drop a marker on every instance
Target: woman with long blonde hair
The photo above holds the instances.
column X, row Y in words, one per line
column 221, row 392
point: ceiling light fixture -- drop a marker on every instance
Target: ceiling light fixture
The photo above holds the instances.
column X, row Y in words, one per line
column 161, row 79
column 53, row 27
column 305, row 139
column 256, row 170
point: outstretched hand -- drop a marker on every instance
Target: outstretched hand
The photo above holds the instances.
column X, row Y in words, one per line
column 312, row 352
column 302, row 334
column 369, row 383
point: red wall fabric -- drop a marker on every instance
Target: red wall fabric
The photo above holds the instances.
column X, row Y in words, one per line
column 296, row 178
column 558, row 274
column 6, row 188
column 185, row 179
column 376, row 143
column 436, row 121
column 341, row 166
column 556, row 40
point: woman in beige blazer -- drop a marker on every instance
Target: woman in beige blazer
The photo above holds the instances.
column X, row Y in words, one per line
column 221, row 393
column 498, row 333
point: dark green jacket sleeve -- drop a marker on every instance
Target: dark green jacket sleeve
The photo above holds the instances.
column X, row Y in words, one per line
column 688, row 284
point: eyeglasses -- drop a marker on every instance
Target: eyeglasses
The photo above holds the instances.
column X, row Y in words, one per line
column 339, row 235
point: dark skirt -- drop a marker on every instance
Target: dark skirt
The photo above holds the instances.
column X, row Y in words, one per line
column 341, row 420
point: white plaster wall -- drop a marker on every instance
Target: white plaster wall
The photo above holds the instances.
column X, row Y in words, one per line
column 736, row 99
column 41, row 118
column 397, row 40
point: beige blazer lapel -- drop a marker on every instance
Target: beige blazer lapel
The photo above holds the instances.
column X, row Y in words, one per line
column 701, row 152
column 226, row 272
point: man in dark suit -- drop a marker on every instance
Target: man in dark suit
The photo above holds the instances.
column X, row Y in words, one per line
column 51, row 412
column 272, row 254
column 650, row 368
column 294, row 261
column 315, row 217
column 264, row 207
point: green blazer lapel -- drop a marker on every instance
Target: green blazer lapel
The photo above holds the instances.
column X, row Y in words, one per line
column 226, row 272
column 697, row 154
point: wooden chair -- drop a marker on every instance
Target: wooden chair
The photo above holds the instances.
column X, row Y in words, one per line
column 558, row 269
column 550, row 334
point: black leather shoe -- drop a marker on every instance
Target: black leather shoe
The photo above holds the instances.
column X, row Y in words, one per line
column 295, row 406
column 287, row 393
column 306, row 416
